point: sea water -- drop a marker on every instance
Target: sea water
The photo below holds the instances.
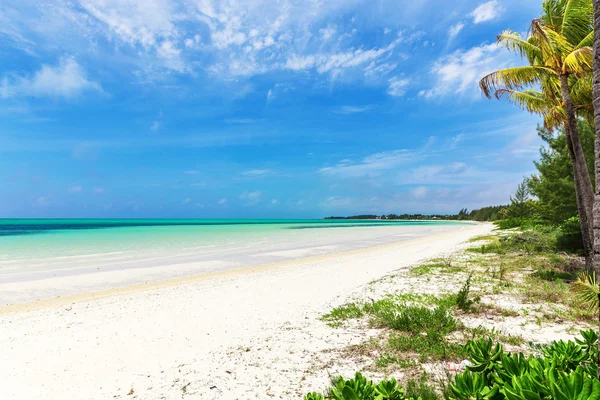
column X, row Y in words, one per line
column 124, row 251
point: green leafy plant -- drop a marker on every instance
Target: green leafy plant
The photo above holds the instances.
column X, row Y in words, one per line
column 313, row 396
column 586, row 289
column 462, row 298
column 564, row 371
column 472, row 385
column 357, row 388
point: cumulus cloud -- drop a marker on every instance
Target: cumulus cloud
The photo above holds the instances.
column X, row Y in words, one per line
column 486, row 12
column 67, row 80
column 459, row 73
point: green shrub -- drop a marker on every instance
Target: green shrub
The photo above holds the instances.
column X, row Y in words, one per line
column 359, row 388
column 421, row 389
column 564, row 371
column 462, row 298
column 552, row 275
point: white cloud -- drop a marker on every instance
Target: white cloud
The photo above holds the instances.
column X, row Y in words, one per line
column 486, row 11
column 420, row 192
column 397, row 86
column 274, row 202
column 455, row 30
column 75, row 189
column 370, row 166
column 223, row 201
column 353, row 109
column 67, row 79
column 459, row 73
column 251, row 196
column 187, row 200
column 300, row 62
column 257, row 173
column 143, row 22
column 99, row 190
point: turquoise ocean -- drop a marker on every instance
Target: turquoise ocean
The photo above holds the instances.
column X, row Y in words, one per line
column 117, row 252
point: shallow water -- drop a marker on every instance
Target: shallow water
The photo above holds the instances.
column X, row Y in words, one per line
column 121, row 252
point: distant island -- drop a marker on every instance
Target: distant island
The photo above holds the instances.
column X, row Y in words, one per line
column 491, row 213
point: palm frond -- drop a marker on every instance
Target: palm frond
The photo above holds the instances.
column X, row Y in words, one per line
column 587, row 41
column 552, row 12
column 586, row 289
column 513, row 42
column 515, row 78
column 577, row 20
column 581, row 90
column 554, row 44
column 578, row 61
column 555, row 118
column 529, row 100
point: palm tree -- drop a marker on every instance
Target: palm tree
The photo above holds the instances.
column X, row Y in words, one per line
column 558, row 50
column 596, row 103
column 548, row 105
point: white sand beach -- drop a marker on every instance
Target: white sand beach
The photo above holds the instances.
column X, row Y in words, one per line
column 250, row 333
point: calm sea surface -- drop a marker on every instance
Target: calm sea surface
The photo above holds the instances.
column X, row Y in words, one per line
column 88, row 254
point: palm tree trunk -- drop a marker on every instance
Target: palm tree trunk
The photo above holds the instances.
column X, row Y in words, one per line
column 596, row 103
column 578, row 158
column 585, row 224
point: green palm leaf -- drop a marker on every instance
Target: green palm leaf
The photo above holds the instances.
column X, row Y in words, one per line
column 578, row 61
column 513, row 78
column 586, row 289
column 577, row 20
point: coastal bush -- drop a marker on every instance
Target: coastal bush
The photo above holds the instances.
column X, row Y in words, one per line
column 359, row 388
column 420, row 389
column 562, row 371
column 462, row 298
column 429, row 347
column 384, row 312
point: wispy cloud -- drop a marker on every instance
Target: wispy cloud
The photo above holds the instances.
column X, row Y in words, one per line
column 242, row 121
column 372, row 165
column 257, row 173
column 67, row 80
column 454, row 30
column 397, row 86
column 353, row 109
column 486, row 12
column 459, row 73
column 251, row 198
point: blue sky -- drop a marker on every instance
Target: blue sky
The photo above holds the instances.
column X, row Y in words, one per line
column 256, row 108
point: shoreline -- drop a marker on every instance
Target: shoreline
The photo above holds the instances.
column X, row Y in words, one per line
column 92, row 285
column 140, row 287
column 154, row 340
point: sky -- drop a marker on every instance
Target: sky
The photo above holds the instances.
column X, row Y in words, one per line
column 257, row 108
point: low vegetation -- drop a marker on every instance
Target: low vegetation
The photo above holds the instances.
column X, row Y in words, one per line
column 512, row 275
column 561, row 370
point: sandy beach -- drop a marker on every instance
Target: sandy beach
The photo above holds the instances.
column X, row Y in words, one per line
column 250, row 333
